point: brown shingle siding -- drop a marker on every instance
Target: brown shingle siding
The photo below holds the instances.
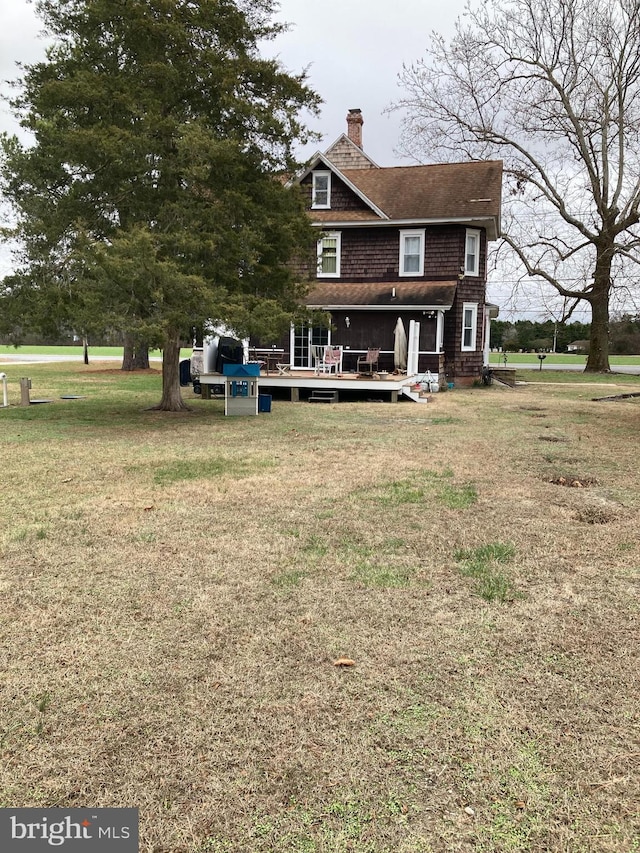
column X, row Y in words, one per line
column 372, row 254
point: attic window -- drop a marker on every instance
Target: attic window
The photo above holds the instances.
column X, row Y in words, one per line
column 321, row 190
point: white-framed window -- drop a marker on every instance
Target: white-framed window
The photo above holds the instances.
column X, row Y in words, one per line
column 411, row 253
column 307, row 342
column 321, row 190
column 329, row 255
column 472, row 252
column 469, row 326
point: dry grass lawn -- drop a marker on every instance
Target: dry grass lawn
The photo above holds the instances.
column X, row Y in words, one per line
column 176, row 591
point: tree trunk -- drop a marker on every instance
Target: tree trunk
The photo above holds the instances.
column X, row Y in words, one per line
column 136, row 354
column 128, row 353
column 598, row 359
column 85, row 349
column 141, row 358
column 171, row 398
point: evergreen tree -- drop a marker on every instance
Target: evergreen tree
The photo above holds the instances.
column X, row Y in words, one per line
column 150, row 199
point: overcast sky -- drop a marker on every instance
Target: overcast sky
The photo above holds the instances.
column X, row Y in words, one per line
column 353, row 50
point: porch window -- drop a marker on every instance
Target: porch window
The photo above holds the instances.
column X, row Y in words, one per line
column 469, row 326
column 321, row 190
column 329, row 255
column 411, row 253
column 472, row 253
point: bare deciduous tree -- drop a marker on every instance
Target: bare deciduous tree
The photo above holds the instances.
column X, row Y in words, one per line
column 553, row 88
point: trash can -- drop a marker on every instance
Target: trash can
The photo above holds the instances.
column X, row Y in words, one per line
column 264, row 402
column 185, row 372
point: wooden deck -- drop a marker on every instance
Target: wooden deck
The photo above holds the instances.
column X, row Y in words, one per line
column 301, row 385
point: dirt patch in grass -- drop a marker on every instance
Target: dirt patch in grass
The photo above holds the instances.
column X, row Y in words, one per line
column 175, row 593
column 572, row 481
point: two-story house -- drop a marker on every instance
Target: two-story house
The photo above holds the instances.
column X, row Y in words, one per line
column 406, row 242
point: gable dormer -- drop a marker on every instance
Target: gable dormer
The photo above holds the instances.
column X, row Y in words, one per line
column 331, row 195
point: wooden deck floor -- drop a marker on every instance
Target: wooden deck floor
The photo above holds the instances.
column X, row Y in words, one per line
column 300, row 385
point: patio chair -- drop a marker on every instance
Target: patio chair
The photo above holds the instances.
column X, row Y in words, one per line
column 332, row 359
column 317, row 356
column 370, row 361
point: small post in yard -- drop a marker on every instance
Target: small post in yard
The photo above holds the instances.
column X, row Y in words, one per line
column 25, row 385
column 542, row 357
column 5, row 399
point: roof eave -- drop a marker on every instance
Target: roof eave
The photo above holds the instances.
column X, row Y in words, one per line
column 489, row 223
column 391, row 305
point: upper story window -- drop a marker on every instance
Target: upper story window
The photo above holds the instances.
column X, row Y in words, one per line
column 469, row 326
column 411, row 253
column 321, row 190
column 329, row 255
column 472, row 252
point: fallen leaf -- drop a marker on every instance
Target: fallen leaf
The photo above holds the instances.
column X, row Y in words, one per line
column 344, row 662
column 147, row 508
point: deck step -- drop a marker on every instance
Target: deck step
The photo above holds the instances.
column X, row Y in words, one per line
column 413, row 395
column 324, row 397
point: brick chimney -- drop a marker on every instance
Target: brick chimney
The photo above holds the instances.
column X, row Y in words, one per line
column 354, row 126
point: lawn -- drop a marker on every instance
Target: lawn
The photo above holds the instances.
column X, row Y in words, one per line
column 178, row 589
column 77, row 351
column 516, row 358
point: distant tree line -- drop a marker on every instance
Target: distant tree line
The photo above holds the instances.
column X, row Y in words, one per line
column 525, row 335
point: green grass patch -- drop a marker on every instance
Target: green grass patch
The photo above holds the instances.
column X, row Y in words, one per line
column 457, row 497
column 386, row 564
column 315, row 546
column 515, row 358
column 482, row 564
column 426, row 486
column 288, row 580
column 402, row 492
column 78, row 351
column 206, row 469
column 576, row 377
column 519, row 815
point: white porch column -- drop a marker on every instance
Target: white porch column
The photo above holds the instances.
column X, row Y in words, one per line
column 413, row 347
